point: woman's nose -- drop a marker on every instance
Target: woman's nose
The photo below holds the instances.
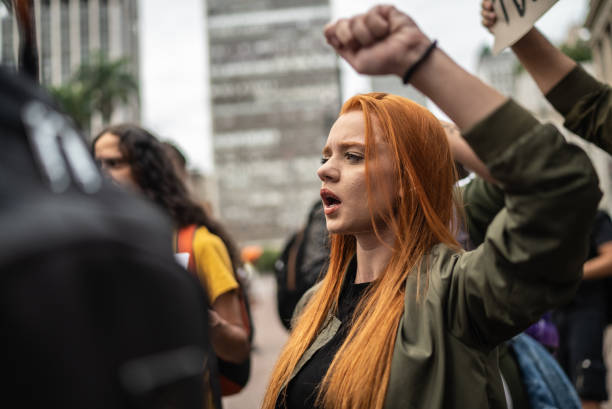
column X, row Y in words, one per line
column 328, row 172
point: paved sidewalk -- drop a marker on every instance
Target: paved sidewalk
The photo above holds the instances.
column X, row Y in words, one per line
column 270, row 336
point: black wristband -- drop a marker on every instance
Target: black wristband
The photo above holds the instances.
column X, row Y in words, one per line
column 412, row 69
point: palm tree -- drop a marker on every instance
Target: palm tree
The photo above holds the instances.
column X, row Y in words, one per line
column 98, row 86
column 74, row 100
column 107, row 83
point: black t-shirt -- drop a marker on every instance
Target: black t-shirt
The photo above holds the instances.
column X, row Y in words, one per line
column 303, row 389
column 601, row 233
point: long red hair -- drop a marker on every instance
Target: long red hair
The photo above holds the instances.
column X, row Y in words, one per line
column 422, row 215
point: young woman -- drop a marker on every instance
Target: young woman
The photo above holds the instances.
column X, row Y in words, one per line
column 134, row 158
column 403, row 318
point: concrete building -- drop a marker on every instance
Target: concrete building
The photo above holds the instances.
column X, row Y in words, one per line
column 599, row 23
column 391, row 84
column 69, row 31
column 499, row 71
column 275, row 93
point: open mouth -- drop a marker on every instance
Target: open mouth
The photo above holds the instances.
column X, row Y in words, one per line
column 330, row 201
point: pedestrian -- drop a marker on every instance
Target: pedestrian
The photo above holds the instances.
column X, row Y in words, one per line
column 85, row 288
column 136, row 159
column 404, row 317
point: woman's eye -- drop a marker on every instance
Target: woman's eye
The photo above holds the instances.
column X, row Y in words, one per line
column 353, row 157
column 323, row 160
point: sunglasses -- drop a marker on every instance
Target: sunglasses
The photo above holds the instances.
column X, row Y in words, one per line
column 111, row 163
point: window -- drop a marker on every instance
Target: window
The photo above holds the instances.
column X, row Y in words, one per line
column 65, row 38
column 45, row 43
column 84, row 29
column 104, row 27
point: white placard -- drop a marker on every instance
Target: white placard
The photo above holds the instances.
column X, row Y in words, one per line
column 515, row 18
column 182, row 259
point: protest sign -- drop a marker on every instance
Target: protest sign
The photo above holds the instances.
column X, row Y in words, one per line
column 515, row 18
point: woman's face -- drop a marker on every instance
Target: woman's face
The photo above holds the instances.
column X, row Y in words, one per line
column 343, row 175
column 112, row 161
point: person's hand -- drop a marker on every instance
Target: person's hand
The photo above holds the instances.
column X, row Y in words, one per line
column 489, row 18
column 382, row 41
column 214, row 319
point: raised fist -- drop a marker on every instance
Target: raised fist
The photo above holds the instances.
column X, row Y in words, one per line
column 381, row 41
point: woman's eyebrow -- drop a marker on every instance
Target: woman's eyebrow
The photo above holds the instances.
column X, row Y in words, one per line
column 352, row 144
column 344, row 146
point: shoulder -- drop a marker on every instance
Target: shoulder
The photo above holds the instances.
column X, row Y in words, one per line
column 205, row 242
column 440, row 264
column 205, row 237
column 210, row 252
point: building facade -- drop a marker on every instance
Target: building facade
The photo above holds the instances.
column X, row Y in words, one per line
column 599, row 23
column 70, row 31
column 275, row 93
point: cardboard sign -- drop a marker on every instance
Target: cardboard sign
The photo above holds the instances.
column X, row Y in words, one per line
column 515, row 18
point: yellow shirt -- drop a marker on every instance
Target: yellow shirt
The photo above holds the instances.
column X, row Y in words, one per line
column 213, row 264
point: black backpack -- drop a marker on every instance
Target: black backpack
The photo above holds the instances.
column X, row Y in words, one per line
column 302, row 263
column 95, row 312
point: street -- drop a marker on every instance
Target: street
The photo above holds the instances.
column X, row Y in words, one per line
column 270, row 336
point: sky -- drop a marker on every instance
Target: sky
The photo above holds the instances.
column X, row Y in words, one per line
column 174, row 58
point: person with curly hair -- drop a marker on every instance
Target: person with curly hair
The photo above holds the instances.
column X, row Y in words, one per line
column 136, row 159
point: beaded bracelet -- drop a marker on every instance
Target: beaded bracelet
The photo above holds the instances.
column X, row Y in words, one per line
column 411, row 70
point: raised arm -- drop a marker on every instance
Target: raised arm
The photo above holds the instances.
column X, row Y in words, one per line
column 546, row 64
column 584, row 102
column 360, row 42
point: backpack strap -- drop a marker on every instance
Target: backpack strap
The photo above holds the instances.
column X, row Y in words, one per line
column 184, row 244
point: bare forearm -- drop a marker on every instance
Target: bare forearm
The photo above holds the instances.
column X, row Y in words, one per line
column 462, row 96
column 464, row 154
column 544, row 62
column 230, row 342
column 598, row 267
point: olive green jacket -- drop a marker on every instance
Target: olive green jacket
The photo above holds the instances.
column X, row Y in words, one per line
column 586, row 105
column 445, row 354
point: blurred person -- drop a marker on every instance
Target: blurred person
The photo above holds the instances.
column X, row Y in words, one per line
column 136, row 159
column 582, row 322
column 178, row 160
column 87, row 274
column 404, row 317
column 303, row 262
column 87, row 277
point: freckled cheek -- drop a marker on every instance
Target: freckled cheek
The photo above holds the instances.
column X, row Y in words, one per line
column 357, row 191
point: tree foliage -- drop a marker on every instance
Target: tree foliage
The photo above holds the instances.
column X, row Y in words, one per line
column 579, row 52
column 98, row 86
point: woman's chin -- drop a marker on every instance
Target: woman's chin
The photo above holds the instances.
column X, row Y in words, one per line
column 335, row 228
